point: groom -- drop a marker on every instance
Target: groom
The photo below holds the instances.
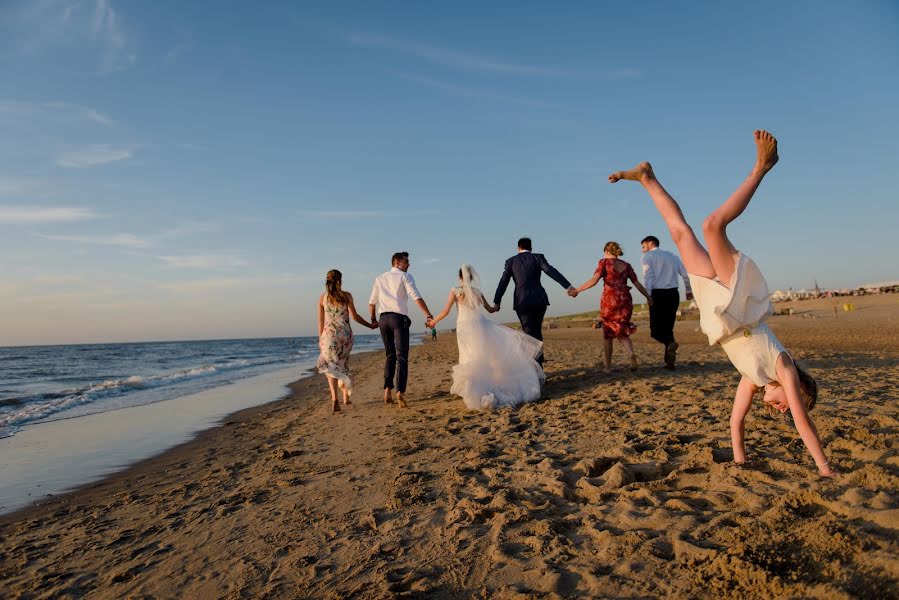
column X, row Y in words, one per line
column 530, row 300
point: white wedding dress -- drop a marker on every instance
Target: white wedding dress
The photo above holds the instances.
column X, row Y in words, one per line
column 497, row 365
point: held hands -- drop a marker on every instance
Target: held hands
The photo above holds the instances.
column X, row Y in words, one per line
column 689, row 296
column 374, row 323
column 430, row 322
column 572, row 292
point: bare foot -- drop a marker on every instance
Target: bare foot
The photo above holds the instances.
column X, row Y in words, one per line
column 638, row 173
column 335, row 407
column 766, row 149
column 401, row 400
column 388, row 396
column 633, row 362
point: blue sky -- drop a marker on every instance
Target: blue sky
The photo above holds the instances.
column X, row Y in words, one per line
column 168, row 171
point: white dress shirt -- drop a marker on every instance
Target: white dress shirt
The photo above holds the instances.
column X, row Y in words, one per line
column 392, row 291
column 661, row 269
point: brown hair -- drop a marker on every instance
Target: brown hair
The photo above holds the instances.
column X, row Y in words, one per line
column 808, row 388
column 613, row 248
column 335, row 293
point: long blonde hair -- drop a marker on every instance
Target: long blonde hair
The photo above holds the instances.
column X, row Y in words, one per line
column 333, row 289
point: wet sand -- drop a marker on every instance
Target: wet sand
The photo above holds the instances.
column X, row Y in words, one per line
column 612, row 485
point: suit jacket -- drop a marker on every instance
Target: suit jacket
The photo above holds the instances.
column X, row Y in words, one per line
column 525, row 268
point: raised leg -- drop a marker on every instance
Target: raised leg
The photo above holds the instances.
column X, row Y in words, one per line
column 696, row 259
column 714, row 228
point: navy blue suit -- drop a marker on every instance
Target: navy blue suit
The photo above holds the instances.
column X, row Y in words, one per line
column 530, row 299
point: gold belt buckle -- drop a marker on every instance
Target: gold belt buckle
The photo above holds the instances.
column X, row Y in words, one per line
column 747, row 333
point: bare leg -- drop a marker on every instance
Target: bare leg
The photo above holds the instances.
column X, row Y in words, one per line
column 332, row 384
column 714, row 228
column 346, row 394
column 696, row 259
column 607, row 354
column 629, row 346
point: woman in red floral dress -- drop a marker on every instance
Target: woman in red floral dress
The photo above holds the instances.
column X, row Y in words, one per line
column 616, row 306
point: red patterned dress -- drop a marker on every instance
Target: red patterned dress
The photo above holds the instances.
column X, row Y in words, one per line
column 616, row 306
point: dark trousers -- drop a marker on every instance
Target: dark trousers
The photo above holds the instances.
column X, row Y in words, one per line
column 662, row 314
column 531, row 319
column 395, row 334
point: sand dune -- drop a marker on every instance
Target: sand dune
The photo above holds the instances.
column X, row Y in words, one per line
column 611, row 486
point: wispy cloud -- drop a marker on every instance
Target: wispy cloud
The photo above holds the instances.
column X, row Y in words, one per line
column 470, row 92
column 44, row 26
column 204, row 261
column 363, row 214
column 56, row 108
column 106, row 29
column 44, row 214
column 456, row 59
column 93, row 155
column 123, row 240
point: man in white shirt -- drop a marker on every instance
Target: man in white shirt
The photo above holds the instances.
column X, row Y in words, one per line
column 389, row 299
column 660, row 272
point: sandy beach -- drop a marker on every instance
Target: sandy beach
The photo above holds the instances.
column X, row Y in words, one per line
column 611, row 486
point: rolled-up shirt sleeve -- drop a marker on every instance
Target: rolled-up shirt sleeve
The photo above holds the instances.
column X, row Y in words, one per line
column 375, row 292
column 683, row 273
column 411, row 290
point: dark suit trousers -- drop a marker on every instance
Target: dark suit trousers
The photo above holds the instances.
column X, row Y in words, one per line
column 531, row 319
column 662, row 314
column 395, row 334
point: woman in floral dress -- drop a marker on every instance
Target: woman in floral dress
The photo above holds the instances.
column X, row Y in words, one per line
column 335, row 336
column 616, row 306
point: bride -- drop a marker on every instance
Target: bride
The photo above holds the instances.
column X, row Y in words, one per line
column 497, row 365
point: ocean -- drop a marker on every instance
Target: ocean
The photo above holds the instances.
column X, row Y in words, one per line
column 39, row 384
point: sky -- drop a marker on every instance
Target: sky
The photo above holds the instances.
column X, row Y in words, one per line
column 174, row 170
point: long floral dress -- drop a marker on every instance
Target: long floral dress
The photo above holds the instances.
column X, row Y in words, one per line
column 336, row 343
column 616, row 306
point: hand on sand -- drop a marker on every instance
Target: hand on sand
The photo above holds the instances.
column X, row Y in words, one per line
column 572, row 292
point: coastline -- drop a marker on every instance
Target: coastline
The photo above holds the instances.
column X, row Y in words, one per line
column 610, row 485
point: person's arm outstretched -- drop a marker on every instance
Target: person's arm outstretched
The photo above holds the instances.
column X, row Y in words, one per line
column 789, row 380
column 555, row 275
column 503, row 283
column 373, row 303
column 490, row 309
column 742, row 403
column 414, row 294
column 356, row 316
column 451, row 299
column 633, row 277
